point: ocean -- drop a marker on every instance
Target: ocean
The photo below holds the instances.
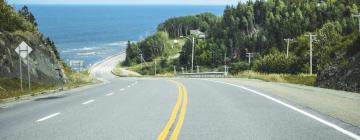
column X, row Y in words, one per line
column 94, row 32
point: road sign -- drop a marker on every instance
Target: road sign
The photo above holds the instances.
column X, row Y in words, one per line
column 23, row 49
column 77, row 64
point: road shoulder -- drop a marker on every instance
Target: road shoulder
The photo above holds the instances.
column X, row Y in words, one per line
column 341, row 105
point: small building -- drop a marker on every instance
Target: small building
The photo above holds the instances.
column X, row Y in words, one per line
column 198, row 33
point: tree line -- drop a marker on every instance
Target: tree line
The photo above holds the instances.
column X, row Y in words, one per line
column 261, row 26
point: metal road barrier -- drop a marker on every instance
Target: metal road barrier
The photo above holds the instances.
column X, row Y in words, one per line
column 202, row 75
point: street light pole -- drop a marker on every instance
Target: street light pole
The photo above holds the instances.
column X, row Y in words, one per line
column 192, row 51
column 311, row 39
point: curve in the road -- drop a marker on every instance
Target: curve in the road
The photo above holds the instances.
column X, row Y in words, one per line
column 180, row 105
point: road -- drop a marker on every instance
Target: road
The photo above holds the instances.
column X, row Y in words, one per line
column 165, row 108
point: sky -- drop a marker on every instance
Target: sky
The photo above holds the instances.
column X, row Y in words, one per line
column 131, row 2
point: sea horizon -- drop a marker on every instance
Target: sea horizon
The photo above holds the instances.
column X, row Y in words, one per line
column 94, row 32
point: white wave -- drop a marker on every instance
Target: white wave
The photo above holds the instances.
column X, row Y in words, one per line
column 118, row 43
column 84, row 49
column 86, row 53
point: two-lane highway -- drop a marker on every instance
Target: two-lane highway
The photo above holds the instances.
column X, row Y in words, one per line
column 161, row 108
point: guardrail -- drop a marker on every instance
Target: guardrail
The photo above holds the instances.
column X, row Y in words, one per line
column 202, row 75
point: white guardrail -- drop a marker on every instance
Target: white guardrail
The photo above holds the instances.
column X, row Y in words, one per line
column 202, row 75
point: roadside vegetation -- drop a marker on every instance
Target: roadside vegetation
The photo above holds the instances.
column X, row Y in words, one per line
column 117, row 70
column 10, row 87
column 259, row 27
column 77, row 79
column 301, row 79
column 158, row 47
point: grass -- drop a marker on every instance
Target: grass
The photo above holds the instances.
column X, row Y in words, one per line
column 77, row 79
column 302, row 79
column 10, row 87
column 117, row 70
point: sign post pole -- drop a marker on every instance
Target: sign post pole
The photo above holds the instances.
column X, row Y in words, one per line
column 24, row 50
column 28, row 66
column 21, row 85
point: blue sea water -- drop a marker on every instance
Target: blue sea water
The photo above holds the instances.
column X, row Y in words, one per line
column 94, row 32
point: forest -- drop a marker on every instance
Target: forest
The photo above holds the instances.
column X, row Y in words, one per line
column 260, row 27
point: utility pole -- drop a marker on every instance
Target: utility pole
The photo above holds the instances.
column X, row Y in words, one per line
column 192, row 55
column 174, row 70
column 226, row 70
column 226, row 67
column 311, row 39
column 357, row 16
column 155, row 66
column 60, row 77
column 287, row 46
column 141, row 60
column 250, row 55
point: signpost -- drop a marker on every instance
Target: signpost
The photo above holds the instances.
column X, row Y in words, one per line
column 77, row 64
column 24, row 50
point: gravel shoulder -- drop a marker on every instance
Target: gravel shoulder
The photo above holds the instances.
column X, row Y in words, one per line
column 341, row 105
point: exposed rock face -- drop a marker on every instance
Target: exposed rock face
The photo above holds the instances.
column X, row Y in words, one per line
column 343, row 74
column 43, row 63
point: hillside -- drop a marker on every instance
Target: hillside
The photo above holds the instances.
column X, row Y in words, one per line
column 260, row 27
column 46, row 69
column 43, row 61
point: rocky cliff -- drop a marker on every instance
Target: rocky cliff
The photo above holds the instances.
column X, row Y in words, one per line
column 42, row 60
column 344, row 72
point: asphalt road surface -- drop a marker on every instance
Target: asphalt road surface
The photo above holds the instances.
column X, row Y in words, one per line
column 161, row 108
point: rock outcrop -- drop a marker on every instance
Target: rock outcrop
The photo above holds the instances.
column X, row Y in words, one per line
column 42, row 60
column 344, row 73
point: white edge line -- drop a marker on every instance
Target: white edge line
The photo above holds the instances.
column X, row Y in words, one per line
column 338, row 128
column 87, row 102
column 48, row 117
column 109, row 94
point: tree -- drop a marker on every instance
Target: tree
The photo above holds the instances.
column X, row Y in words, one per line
column 24, row 11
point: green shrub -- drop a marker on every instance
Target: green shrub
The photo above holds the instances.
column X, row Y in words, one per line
column 239, row 66
column 277, row 62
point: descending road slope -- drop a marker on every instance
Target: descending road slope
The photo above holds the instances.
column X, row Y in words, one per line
column 150, row 108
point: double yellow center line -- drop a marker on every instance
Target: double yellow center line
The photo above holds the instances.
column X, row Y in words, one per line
column 170, row 127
